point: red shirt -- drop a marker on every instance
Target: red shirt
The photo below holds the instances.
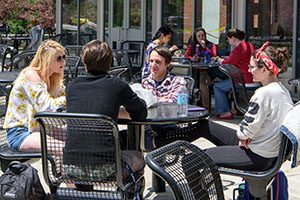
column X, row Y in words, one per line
column 240, row 58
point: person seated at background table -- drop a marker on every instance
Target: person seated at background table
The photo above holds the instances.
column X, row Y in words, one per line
column 162, row 37
column 100, row 93
column 255, row 144
column 164, row 86
column 240, row 58
column 199, row 38
column 39, row 87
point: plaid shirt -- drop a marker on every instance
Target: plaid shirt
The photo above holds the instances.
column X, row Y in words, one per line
column 167, row 90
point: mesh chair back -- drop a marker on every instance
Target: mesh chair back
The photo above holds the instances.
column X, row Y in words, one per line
column 80, row 149
column 58, row 37
column 190, row 85
column 74, row 50
column 181, row 67
column 71, row 68
column 118, row 71
column 239, row 91
column 122, row 59
column 190, row 173
column 136, row 52
column 3, row 55
column 22, row 60
column 3, row 33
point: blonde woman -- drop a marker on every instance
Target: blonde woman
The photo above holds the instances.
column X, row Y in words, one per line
column 39, row 87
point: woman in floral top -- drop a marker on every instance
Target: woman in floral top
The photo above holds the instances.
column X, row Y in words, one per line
column 39, row 87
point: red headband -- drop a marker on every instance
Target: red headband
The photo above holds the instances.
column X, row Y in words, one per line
column 261, row 55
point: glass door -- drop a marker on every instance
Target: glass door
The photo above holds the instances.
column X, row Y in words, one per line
column 126, row 21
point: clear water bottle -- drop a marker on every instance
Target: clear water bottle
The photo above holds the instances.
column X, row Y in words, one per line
column 182, row 102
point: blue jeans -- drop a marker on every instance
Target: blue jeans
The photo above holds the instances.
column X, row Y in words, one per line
column 16, row 136
column 221, row 90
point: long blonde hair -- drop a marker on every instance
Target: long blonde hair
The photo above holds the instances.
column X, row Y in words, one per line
column 41, row 64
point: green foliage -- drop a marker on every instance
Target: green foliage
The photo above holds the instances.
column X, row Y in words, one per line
column 17, row 25
column 19, row 13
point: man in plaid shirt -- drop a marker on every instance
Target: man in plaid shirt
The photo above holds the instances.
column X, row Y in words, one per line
column 163, row 85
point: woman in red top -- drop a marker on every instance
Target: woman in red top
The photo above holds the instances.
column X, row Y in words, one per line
column 241, row 53
column 240, row 58
column 199, row 38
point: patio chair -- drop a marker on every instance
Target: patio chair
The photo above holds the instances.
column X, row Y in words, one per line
column 295, row 93
column 58, row 37
column 136, row 52
column 240, row 92
column 22, row 60
column 118, row 71
column 181, row 67
column 194, row 93
column 6, row 54
column 82, row 150
column 71, row 68
column 121, row 58
column 74, row 50
column 189, row 172
column 259, row 181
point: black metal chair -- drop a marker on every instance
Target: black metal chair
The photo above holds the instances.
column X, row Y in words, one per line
column 136, row 51
column 295, row 93
column 21, row 40
column 6, row 54
column 74, row 50
column 118, row 71
column 82, row 149
column 71, row 68
column 122, row 59
column 239, row 90
column 181, row 67
column 58, row 37
column 22, row 60
column 189, row 172
column 194, row 93
column 259, row 181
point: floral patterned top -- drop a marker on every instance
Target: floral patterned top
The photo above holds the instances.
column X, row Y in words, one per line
column 26, row 99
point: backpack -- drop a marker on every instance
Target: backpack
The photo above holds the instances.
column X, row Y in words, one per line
column 279, row 188
column 21, row 181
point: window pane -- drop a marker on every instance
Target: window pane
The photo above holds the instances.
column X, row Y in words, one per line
column 272, row 21
column 69, row 21
column 148, row 20
column 173, row 17
column 118, row 13
column 135, row 14
column 87, row 21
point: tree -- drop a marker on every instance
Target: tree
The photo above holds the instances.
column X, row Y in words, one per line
column 18, row 14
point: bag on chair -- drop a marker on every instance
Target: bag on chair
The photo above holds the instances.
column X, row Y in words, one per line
column 279, row 188
column 21, row 181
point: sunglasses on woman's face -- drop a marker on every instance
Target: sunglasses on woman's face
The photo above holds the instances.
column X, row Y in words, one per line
column 60, row 58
